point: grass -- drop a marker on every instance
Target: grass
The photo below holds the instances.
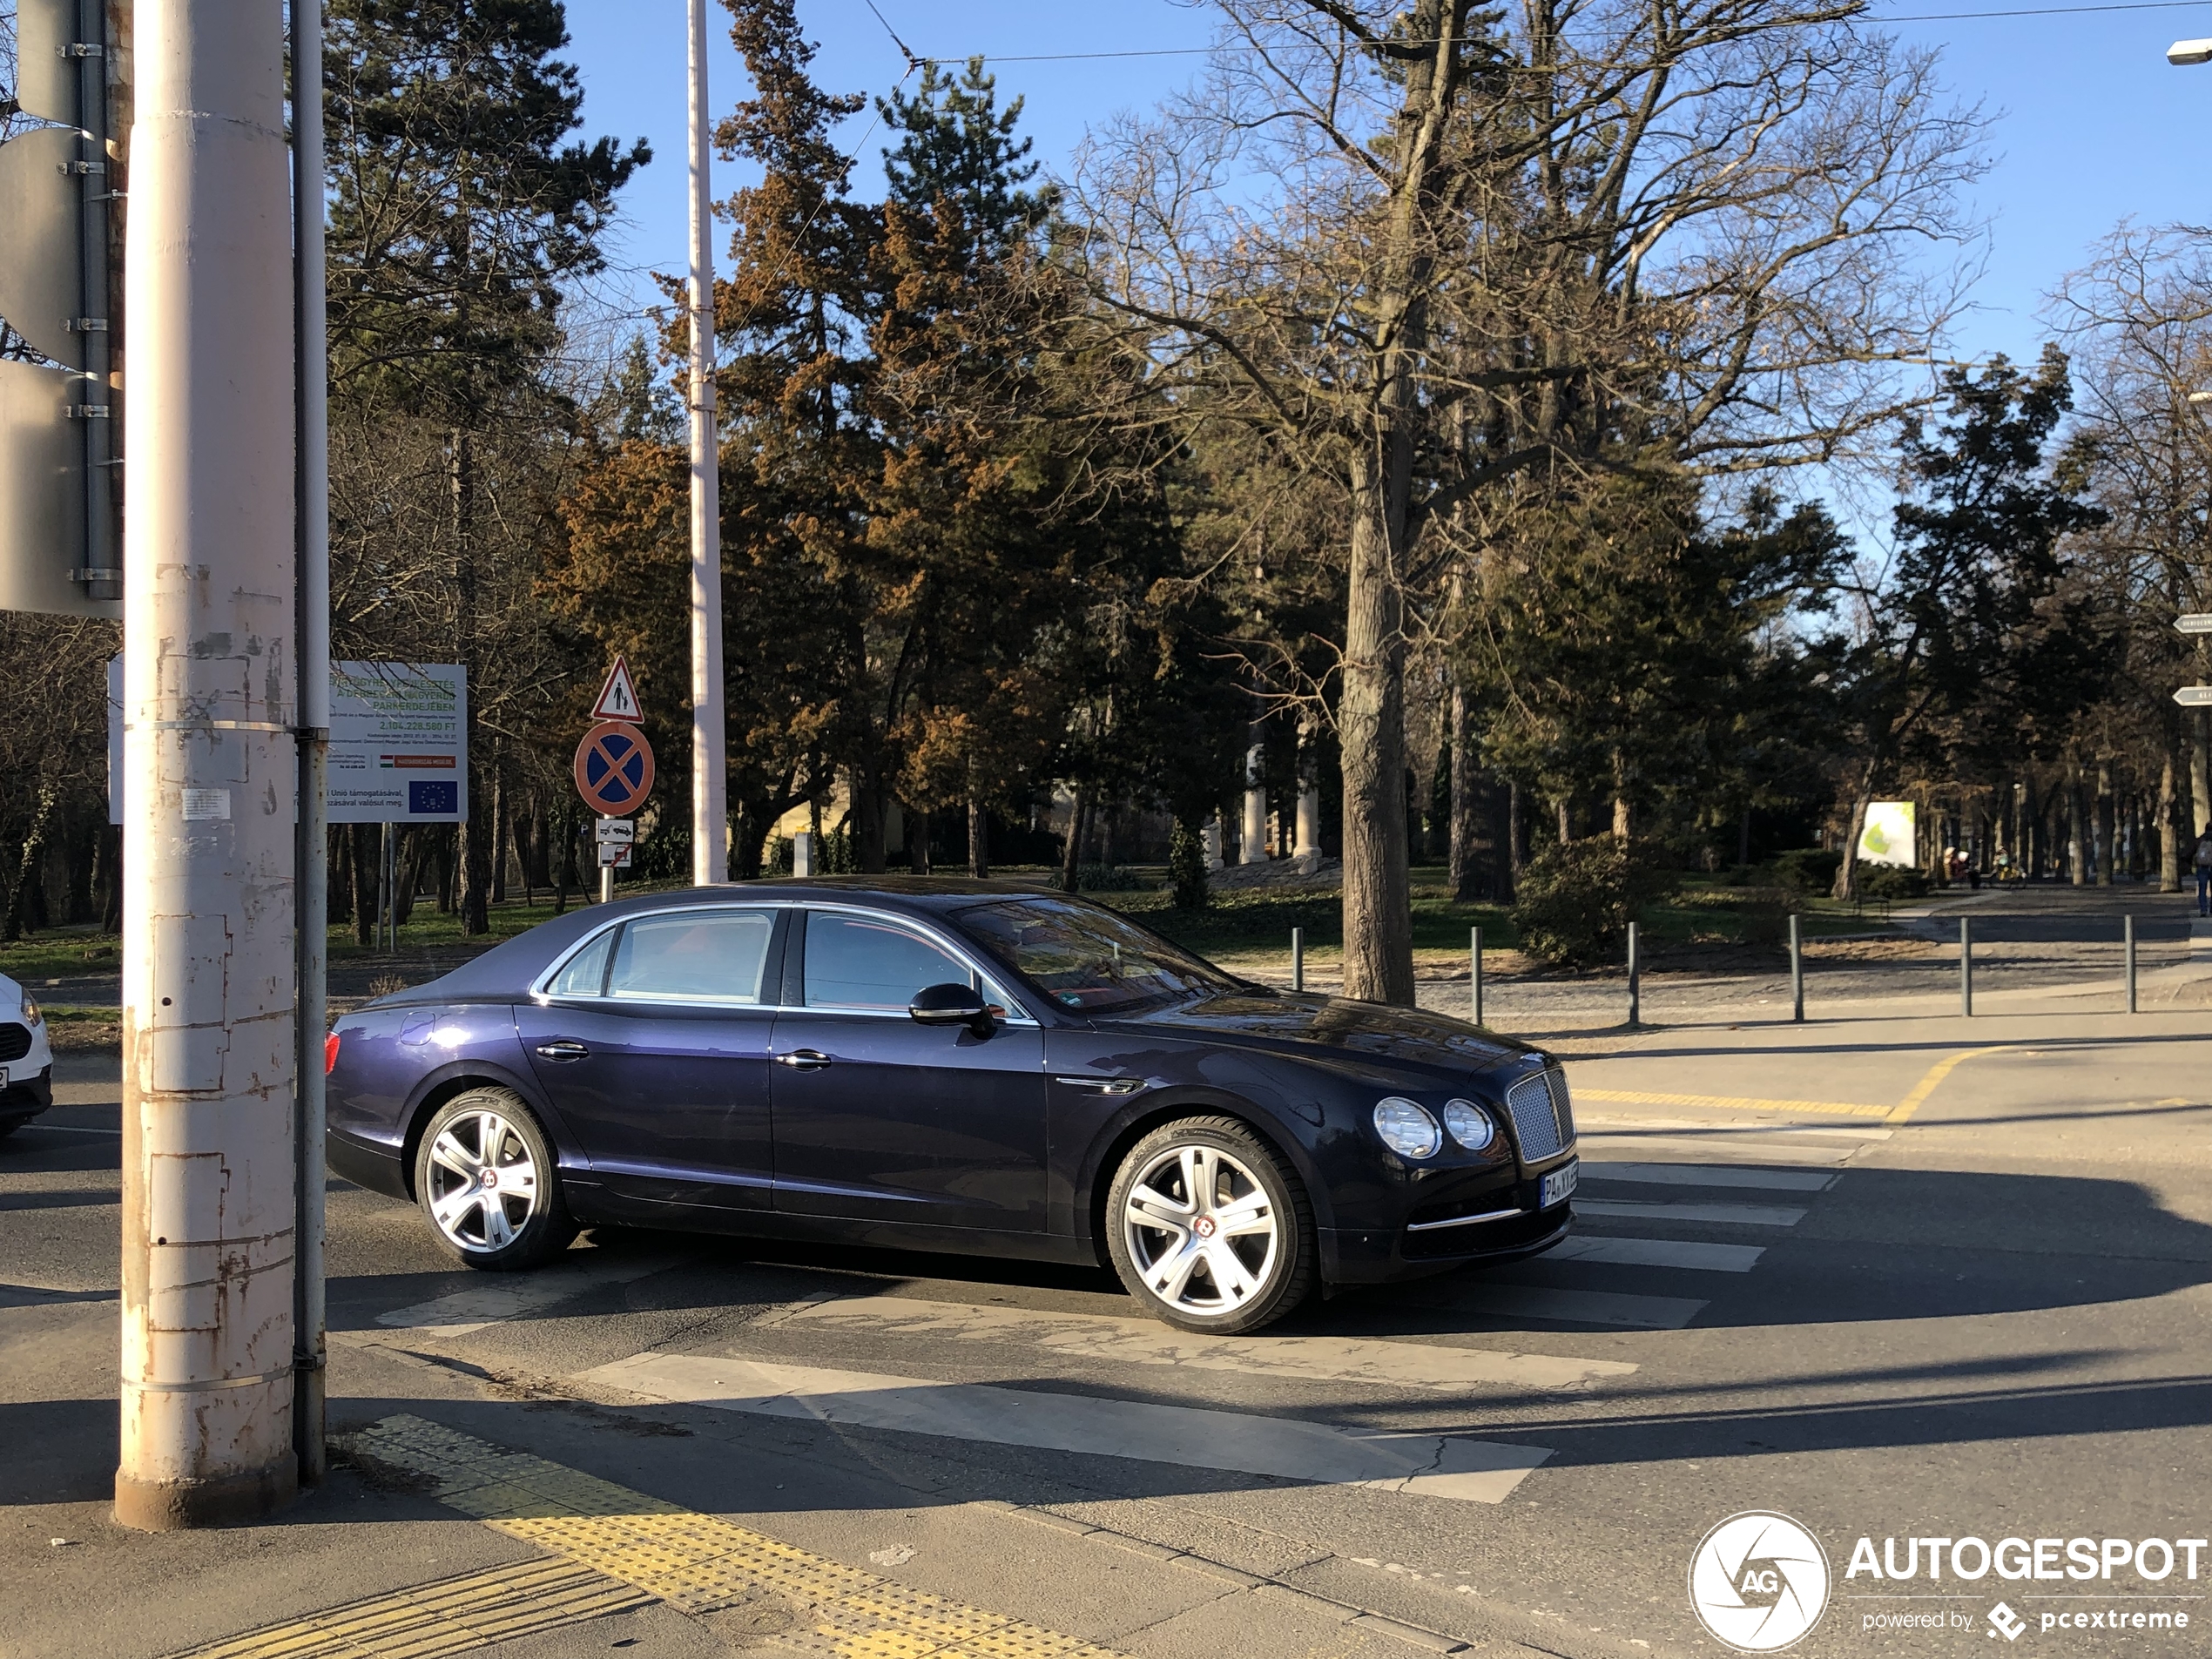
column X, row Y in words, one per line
column 1237, row 926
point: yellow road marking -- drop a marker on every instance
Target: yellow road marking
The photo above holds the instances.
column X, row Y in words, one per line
column 1936, row 1074
column 1898, row 1114
column 700, row 1563
column 1737, row 1102
column 455, row 1615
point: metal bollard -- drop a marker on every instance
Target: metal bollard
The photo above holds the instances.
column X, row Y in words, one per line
column 1966, row 967
column 2129, row 922
column 1797, row 970
column 1635, row 980
column 1474, row 973
column 1297, row 959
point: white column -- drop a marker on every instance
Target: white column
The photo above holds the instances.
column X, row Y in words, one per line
column 210, row 674
column 1308, row 851
column 710, row 752
column 1211, row 836
column 1254, row 847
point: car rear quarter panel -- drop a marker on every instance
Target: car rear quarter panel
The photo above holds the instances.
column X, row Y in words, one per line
column 396, row 1066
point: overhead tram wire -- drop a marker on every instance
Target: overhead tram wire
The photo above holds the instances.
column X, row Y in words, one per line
column 916, row 60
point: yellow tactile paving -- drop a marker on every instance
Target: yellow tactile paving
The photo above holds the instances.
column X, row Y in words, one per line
column 699, row 1563
column 455, row 1615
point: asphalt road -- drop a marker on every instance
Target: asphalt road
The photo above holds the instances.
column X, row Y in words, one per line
column 1893, row 1278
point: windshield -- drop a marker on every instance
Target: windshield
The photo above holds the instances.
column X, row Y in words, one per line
column 1089, row 959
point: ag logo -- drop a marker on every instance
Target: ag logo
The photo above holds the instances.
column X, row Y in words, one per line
column 1758, row 1581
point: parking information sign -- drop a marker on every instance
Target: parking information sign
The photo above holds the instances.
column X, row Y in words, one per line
column 398, row 743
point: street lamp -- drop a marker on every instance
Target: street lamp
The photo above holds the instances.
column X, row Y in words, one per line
column 2185, row 52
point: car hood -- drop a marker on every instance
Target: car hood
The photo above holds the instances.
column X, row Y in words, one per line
column 1336, row 1028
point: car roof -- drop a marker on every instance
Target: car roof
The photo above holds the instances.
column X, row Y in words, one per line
column 505, row 971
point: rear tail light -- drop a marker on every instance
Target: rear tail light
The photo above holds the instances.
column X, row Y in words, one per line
column 330, row 1054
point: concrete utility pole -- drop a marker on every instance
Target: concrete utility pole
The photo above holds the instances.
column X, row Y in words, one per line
column 211, row 772
column 710, row 754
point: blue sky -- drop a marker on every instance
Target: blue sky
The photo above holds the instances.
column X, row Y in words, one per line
column 2095, row 125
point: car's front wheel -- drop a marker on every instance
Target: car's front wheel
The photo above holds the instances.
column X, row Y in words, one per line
column 1208, row 1229
column 485, row 1174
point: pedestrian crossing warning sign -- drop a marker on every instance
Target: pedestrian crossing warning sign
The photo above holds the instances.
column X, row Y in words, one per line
column 619, row 697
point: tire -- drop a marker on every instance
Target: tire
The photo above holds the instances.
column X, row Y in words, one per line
column 1182, row 1265
column 9, row 1126
column 519, row 1221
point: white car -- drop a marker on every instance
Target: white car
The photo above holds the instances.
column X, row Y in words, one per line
column 26, row 1061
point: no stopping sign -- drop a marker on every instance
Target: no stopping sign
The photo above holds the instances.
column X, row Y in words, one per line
column 614, row 768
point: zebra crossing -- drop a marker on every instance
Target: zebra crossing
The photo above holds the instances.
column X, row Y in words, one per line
column 1017, row 1369
column 1638, row 1170
column 1672, row 1213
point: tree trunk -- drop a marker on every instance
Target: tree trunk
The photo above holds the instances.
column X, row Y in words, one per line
column 868, row 805
column 1744, row 839
column 368, row 882
column 978, row 839
column 1846, row 885
column 1467, row 803
column 2108, row 838
column 2169, row 829
column 499, row 831
column 1071, row 850
column 476, row 833
column 918, row 844
column 2077, row 852
column 2199, row 775
column 1517, row 841
column 107, row 880
column 1377, row 893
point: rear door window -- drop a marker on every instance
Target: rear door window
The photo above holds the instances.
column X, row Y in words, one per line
column 717, row 955
column 871, row 963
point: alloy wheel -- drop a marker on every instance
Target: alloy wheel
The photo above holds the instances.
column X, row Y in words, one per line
column 483, row 1182
column 1202, row 1230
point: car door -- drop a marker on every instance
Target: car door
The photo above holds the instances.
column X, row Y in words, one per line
column 880, row 1118
column 652, row 1041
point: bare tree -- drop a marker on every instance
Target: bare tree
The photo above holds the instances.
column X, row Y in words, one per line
column 1428, row 255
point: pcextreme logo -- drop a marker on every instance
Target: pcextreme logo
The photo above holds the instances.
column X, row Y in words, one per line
column 1758, row 1581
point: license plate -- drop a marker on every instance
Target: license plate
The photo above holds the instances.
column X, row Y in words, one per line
column 1558, row 1184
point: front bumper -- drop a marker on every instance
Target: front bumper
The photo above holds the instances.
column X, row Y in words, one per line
column 1505, row 1226
column 26, row 1097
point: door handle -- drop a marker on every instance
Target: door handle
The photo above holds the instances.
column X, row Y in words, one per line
column 804, row 1060
column 562, row 1051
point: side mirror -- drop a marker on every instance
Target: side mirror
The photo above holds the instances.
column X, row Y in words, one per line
column 952, row 1004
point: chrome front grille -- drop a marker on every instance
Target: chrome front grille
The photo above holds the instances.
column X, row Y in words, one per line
column 1562, row 1102
column 1543, row 1121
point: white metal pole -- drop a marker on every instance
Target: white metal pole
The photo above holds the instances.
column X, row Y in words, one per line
column 210, row 760
column 710, row 754
column 311, row 353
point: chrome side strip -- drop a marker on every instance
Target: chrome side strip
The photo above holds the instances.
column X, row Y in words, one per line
column 1462, row 1221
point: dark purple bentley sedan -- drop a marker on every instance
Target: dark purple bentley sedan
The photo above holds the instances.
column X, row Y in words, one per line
column 958, row 1067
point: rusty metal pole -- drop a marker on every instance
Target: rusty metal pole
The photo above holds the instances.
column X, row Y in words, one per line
column 312, row 413
column 210, row 776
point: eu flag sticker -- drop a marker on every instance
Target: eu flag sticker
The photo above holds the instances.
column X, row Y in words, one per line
column 433, row 796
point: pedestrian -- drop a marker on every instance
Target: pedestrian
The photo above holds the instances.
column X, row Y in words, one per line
column 2204, row 873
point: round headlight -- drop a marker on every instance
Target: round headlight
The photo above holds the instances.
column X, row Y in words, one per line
column 1406, row 1129
column 31, row 1016
column 1471, row 1126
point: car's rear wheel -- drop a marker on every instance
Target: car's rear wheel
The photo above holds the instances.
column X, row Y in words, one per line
column 485, row 1174
column 1208, row 1229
